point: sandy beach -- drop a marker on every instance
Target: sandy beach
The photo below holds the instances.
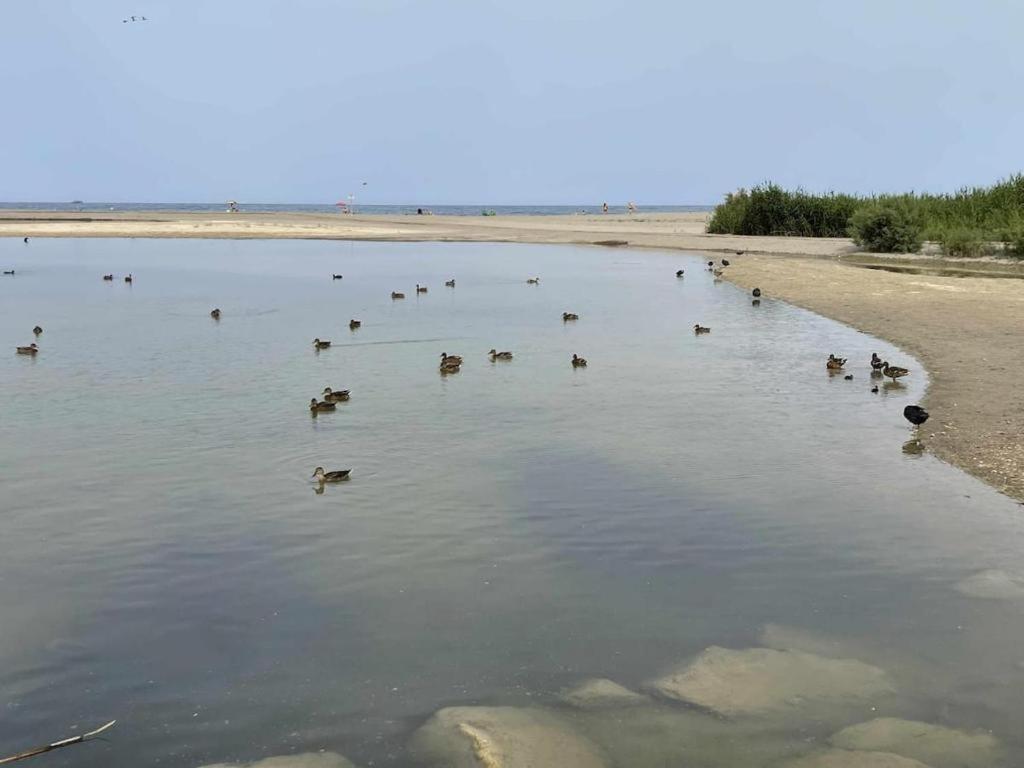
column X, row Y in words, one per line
column 959, row 318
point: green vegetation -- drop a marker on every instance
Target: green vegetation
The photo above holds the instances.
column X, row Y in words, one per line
column 970, row 222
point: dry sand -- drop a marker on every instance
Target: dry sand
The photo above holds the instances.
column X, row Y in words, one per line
column 966, row 328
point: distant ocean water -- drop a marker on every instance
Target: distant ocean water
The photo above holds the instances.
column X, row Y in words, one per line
column 447, row 210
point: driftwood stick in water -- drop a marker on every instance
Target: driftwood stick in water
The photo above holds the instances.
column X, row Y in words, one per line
column 57, row 744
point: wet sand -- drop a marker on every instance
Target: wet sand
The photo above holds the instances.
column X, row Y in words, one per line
column 965, row 329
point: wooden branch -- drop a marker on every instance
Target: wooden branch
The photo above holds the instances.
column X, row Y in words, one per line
column 57, row 744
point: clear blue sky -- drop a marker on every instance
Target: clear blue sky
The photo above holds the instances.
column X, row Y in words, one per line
column 520, row 101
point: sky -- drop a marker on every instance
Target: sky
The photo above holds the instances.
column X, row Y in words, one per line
column 514, row 102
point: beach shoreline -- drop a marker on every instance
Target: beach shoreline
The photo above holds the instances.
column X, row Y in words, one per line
column 960, row 318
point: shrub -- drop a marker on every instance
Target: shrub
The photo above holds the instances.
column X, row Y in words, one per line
column 887, row 228
column 1013, row 242
column 964, row 242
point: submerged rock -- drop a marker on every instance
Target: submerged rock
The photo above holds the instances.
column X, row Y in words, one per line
column 502, row 737
column 763, row 681
column 302, row 760
column 599, row 693
column 935, row 744
column 993, row 585
column 842, row 758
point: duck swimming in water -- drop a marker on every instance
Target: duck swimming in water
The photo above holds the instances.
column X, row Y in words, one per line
column 336, row 396
column 578, row 362
column 699, row 329
column 321, row 344
column 893, row 371
column 397, row 295
column 331, row 477
column 37, row 330
column 31, row 349
column 323, row 405
column 835, row 363
column 567, row 316
column 679, row 273
column 215, row 314
column 353, row 324
column 495, row 355
column 533, row 281
column 128, row 278
column 336, row 277
column 421, row 288
column 108, row 277
column 450, row 359
column 450, row 283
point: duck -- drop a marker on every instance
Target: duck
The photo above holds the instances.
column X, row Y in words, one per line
column 848, row 377
column 108, row 277
column 533, row 281
column 37, row 330
column 447, row 367
column 874, row 390
column 711, row 265
column 916, row 415
column 321, row 344
column 567, row 316
column 756, row 293
column 215, row 314
column 323, row 405
column 450, row 283
column 331, row 477
column 421, row 288
column 397, row 295
column 893, row 371
column 336, row 396
column 578, row 362
column 835, row 363
column 679, row 273
column 336, row 277
column 740, row 253
column 876, row 362
column 495, row 355
column 8, row 271
column 128, row 278
column 699, row 329
column 31, row 349
column 725, row 262
column 447, row 359
column 353, row 324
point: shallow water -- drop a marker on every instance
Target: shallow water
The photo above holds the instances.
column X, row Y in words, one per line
column 507, row 530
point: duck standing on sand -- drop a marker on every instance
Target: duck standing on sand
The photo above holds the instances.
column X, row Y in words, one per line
column 756, row 293
column 893, row 371
column 320, row 407
column 698, row 329
column 578, row 362
column 725, row 262
column 331, row 477
column 37, row 330
column 336, row 396
column 495, row 355
column 317, row 344
column 31, row 349
column 916, row 415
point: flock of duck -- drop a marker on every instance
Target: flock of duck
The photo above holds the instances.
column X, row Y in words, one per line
column 451, row 364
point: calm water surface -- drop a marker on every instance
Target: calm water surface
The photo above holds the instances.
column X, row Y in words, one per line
column 164, row 558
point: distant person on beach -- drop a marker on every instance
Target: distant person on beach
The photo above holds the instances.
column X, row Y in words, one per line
column 630, row 207
column 419, row 211
column 604, row 207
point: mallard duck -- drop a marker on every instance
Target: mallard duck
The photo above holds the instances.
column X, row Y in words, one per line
column 495, row 355
column 876, row 362
column 699, row 329
column 848, row 377
column 37, row 330
column 447, row 367
column 894, row 371
column 332, row 396
column 450, row 359
column 323, row 405
column 533, row 281
column 108, row 277
column 353, row 324
column 215, row 314
column 421, row 288
column 567, row 316
column 336, row 277
column 331, row 477
column 128, row 278
column 31, row 349
column 397, row 295
column 916, row 415
column 321, row 344
column 725, row 262
column 578, row 362
column 450, row 283
column 835, row 363
column 756, row 293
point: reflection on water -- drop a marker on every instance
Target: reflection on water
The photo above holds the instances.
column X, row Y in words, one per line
column 507, row 533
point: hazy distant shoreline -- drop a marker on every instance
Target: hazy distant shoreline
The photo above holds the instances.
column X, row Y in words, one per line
column 956, row 325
